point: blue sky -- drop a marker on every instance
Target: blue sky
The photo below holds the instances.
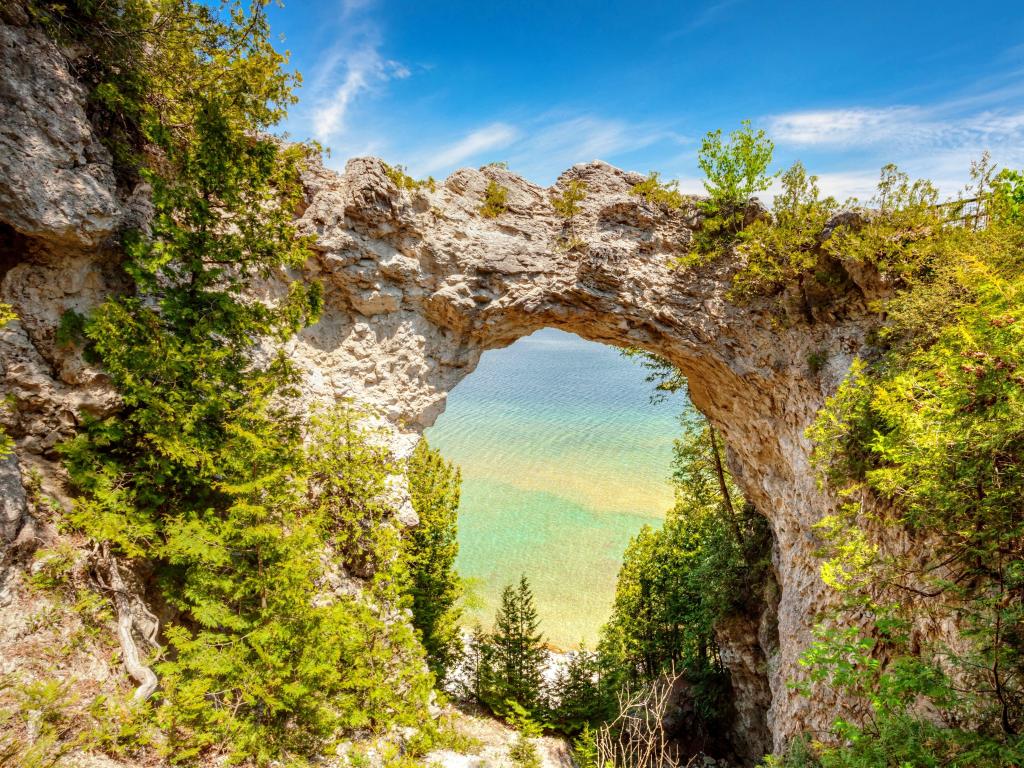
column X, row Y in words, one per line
column 845, row 87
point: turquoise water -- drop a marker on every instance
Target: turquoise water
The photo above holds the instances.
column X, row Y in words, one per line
column 563, row 458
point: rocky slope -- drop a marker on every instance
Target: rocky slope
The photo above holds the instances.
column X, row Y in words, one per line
column 417, row 286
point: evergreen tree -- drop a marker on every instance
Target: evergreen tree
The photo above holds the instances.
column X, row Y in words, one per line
column 518, row 650
column 478, row 665
column 433, row 546
column 241, row 508
column 677, row 582
column 576, row 697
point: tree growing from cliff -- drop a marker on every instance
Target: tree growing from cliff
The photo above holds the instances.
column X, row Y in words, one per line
column 433, row 546
column 677, row 583
column 929, row 435
column 734, row 170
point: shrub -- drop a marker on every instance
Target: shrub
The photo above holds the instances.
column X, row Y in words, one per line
column 403, row 180
column 780, row 251
column 495, row 200
column 734, row 170
column 656, row 192
column 567, row 204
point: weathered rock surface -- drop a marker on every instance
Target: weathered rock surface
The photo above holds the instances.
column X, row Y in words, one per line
column 57, row 182
column 418, row 286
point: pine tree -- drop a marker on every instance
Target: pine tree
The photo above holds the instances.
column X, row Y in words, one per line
column 433, row 546
column 577, row 695
column 518, row 650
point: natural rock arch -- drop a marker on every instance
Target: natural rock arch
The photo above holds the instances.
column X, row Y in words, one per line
column 418, row 285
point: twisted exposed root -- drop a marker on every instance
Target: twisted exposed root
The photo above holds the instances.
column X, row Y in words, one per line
column 129, row 607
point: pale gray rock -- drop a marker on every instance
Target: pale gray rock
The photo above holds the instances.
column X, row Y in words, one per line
column 459, row 284
column 13, row 502
column 57, row 183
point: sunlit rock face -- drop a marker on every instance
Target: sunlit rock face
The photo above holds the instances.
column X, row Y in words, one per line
column 417, row 286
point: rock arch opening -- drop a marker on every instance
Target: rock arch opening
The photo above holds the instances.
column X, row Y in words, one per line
column 418, row 285
column 564, row 457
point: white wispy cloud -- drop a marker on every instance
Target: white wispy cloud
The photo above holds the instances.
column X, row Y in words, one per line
column 936, row 142
column 907, row 127
column 553, row 143
column 850, row 127
column 351, row 67
column 490, row 137
column 542, row 146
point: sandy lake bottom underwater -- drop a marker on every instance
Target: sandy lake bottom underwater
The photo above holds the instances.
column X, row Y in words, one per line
column 564, row 457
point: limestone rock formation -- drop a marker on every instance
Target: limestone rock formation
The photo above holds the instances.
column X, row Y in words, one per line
column 418, row 285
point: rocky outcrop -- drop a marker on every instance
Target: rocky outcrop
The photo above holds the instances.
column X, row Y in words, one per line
column 417, row 286
column 57, row 183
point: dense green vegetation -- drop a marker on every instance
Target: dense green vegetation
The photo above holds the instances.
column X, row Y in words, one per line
column 243, row 509
column 707, row 561
column 6, row 444
column 506, row 665
column 924, row 441
column 927, row 439
column 432, row 546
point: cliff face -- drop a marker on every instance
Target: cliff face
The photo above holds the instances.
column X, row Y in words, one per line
column 417, row 286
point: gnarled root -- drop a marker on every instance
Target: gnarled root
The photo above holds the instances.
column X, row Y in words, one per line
column 132, row 615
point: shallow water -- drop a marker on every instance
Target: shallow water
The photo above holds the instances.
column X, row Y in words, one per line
column 563, row 458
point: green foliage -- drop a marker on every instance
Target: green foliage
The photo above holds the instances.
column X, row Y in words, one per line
column 507, row 665
column 781, row 250
column 734, row 170
column 6, row 444
column 901, row 235
column 43, row 721
column 403, row 180
column 432, row 548
column 677, row 582
column 816, row 361
column 577, row 696
column 495, row 200
column 110, row 39
column 71, row 329
column 245, row 510
column 1008, row 196
column 655, row 191
column 925, row 440
column 584, row 748
column 567, row 204
column 523, row 752
column 665, row 377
